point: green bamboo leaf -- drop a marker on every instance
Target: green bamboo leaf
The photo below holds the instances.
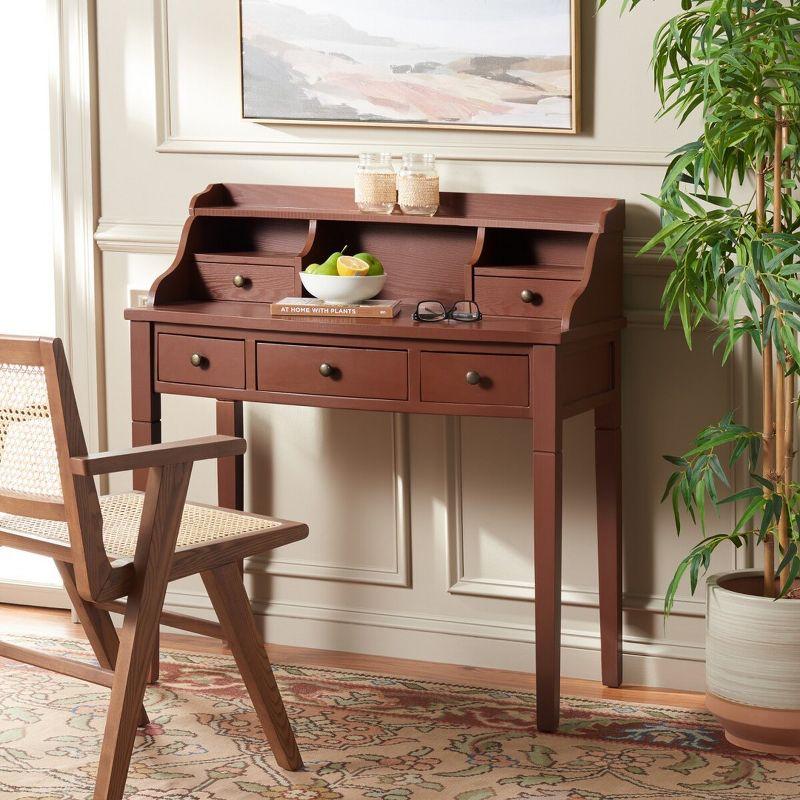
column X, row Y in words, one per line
column 794, row 571
column 744, row 494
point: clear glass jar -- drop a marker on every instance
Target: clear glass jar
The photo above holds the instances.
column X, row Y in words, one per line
column 376, row 183
column 418, row 184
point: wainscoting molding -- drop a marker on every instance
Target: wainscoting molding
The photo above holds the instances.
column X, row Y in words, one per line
column 314, row 141
column 501, row 589
column 399, row 574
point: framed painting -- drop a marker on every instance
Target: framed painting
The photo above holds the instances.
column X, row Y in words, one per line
column 452, row 64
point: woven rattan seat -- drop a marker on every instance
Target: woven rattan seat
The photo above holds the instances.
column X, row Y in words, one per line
column 200, row 525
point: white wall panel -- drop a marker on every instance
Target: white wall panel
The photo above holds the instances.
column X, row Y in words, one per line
column 420, row 528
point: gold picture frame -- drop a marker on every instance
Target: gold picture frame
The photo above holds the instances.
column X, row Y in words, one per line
column 575, row 97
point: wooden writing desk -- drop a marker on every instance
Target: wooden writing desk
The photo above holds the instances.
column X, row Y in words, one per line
column 547, row 274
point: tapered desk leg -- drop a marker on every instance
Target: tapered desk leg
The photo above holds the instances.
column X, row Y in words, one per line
column 547, row 533
column 230, row 471
column 146, row 416
column 608, row 467
column 547, row 569
column 145, row 401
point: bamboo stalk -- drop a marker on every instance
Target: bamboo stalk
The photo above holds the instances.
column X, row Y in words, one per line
column 780, row 455
column 768, row 457
column 777, row 174
column 770, row 406
column 788, row 459
column 791, row 410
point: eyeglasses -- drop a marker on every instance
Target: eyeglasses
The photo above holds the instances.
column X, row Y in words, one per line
column 434, row 311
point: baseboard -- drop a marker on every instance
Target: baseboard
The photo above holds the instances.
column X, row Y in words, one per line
column 33, row 594
column 664, row 664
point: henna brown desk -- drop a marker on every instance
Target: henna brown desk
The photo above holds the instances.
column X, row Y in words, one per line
column 547, row 274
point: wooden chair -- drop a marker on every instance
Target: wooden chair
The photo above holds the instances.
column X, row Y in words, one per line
column 126, row 546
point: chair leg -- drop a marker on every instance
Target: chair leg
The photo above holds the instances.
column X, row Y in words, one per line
column 97, row 626
column 155, row 662
column 158, row 531
column 229, row 598
column 127, row 691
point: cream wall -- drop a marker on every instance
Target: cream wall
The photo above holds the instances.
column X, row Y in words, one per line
column 420, row 539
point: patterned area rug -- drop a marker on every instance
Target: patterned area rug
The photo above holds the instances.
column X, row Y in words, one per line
column 364, row 736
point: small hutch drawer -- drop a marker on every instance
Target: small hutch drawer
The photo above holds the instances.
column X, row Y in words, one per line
column 257, row 283
column 335, row 371
column 474, row 379
column 201, row 361
column 523, row 297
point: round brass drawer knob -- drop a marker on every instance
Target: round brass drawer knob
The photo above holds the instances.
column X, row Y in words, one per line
column 239, row 281
column 326, row 370
column 197, row 360
column 527, row 296
column 473, row 378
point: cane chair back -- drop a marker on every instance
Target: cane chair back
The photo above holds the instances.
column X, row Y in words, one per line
column 40, row 431
column 28, row 458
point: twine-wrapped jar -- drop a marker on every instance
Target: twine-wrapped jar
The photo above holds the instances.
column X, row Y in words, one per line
column 418, row 184
column 376, row 183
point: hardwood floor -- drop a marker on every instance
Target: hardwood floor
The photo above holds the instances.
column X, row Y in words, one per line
column 50, row 622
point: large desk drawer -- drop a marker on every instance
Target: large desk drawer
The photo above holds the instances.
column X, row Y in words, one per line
column 468, row 378
column 523, row 297
column 336, row 371
column 201, row 361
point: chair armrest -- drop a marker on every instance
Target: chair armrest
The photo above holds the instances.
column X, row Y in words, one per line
column 158, row 455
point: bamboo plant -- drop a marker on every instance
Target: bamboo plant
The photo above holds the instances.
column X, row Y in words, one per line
column 731, row 225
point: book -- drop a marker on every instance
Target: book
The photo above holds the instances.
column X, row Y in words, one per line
column 312, row 307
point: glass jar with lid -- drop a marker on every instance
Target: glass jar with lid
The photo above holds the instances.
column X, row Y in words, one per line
column 376, row 183
column 418, row 184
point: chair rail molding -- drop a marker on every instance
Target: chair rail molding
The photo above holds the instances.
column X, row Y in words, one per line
column 155, row 236
column 341, row 142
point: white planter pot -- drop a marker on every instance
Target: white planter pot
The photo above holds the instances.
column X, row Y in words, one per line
column 753, row 663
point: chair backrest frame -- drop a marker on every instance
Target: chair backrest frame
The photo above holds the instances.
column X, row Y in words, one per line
column 80, row 505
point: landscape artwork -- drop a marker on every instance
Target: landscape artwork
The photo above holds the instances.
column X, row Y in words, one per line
column 494, row 64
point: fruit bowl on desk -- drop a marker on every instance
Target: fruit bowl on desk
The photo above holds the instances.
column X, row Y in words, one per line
column 336, row 289
column 345, row 279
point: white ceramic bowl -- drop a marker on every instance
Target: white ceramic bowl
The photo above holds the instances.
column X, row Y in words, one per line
column 339, row 289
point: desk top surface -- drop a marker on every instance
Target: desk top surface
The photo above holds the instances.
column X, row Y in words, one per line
column 257, row 317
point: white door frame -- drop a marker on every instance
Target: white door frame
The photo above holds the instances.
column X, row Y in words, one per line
column 75, row 162
column 75, row 170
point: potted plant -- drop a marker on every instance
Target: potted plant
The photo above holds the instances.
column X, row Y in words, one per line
column 731, row 225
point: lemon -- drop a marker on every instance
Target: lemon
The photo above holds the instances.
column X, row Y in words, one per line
column 350, row 266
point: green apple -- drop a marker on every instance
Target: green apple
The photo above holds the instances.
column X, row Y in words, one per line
column 375, row 266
